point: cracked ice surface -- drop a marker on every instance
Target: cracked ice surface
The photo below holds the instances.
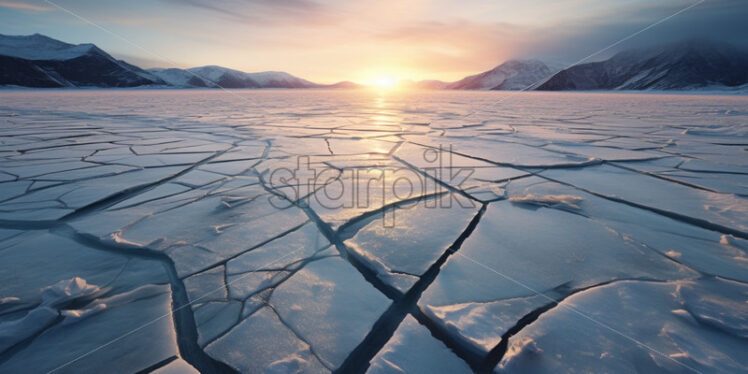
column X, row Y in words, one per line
column 353, row 232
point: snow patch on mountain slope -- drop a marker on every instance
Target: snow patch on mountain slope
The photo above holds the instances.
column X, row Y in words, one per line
column 268, row 77
column 178, row 77
column 685, row 65
column 40, row 47
column 511, row 75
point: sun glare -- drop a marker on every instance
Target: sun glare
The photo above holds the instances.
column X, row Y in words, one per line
column 384, row 82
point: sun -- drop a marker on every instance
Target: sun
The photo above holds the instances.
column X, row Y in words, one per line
column 384, row 82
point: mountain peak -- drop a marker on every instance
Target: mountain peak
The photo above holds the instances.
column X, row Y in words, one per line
column 39, row 61
column 521, row 62
column 42, row 47
column 512, row 74
column 219, row 76
column 687, row 64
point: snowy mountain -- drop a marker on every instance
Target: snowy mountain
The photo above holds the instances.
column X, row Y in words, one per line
column 179, row 77
column 218, row 76
column 279, row 79
column 230, row 78
column 511, row 75
column 40, row 61
column 40, row 47
column 690, row 64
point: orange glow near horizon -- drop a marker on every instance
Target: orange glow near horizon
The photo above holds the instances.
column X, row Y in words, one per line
column 383, row 77
column 383, row 82
column 330, row 41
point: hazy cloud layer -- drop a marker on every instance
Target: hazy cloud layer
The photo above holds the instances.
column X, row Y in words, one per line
column 25, row 6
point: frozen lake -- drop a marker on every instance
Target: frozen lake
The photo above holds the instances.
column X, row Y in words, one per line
column 372, row 231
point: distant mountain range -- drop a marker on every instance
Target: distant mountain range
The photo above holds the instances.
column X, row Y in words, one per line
column 511, row 75
column 40, row 61
column 691, row 64
column 218, row 76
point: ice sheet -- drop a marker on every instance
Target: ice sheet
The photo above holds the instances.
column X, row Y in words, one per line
column 169, row 219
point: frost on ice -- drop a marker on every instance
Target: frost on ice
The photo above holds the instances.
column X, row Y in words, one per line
column 317, row 233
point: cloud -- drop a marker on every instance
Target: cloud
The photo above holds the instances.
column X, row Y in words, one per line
column 127, row 20
column 721, row 20
column 147, row 62
column 460, row 45
column 262, row 11
column 450, row 47
column 25, row 6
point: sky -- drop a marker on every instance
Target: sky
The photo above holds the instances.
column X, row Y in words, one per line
column 366, row 40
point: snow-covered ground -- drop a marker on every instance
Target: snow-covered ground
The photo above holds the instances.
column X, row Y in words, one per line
column 365, row 231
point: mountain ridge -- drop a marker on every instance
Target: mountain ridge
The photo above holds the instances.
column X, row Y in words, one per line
column 510, row 75
column 40, row 61
column 513, row 74
column 685, row 65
